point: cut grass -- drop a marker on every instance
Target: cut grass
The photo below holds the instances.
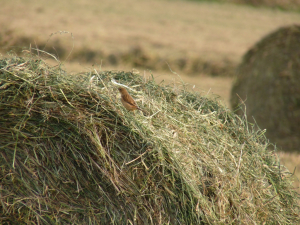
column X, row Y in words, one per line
column 72, row 154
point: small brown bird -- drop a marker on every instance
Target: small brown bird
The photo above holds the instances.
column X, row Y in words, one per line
column 127, row 100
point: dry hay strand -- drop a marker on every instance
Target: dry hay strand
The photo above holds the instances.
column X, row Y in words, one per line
column 268, row 82
column 71, row 154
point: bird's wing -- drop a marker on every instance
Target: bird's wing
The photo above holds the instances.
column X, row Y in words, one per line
column 130, row 101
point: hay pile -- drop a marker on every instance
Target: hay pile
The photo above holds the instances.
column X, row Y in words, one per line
column 71, row 154
column 268, row 80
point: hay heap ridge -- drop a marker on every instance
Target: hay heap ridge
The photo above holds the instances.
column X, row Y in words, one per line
column 71, row 154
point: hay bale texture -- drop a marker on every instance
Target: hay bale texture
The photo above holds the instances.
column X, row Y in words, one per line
column 268, row 81
column 71, row 154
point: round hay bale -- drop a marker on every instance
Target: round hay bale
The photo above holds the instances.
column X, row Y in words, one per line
column 70, row 153
column 268, row 82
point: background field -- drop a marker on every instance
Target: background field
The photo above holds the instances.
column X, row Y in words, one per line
column 199, row 40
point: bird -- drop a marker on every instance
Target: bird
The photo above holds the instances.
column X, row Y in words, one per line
column 127, row 100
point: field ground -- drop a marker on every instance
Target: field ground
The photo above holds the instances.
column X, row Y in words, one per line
column 214, row 32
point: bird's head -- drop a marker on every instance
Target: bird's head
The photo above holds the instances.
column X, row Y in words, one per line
column 122, row 90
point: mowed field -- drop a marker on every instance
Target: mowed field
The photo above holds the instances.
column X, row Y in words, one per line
column 170, row 30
